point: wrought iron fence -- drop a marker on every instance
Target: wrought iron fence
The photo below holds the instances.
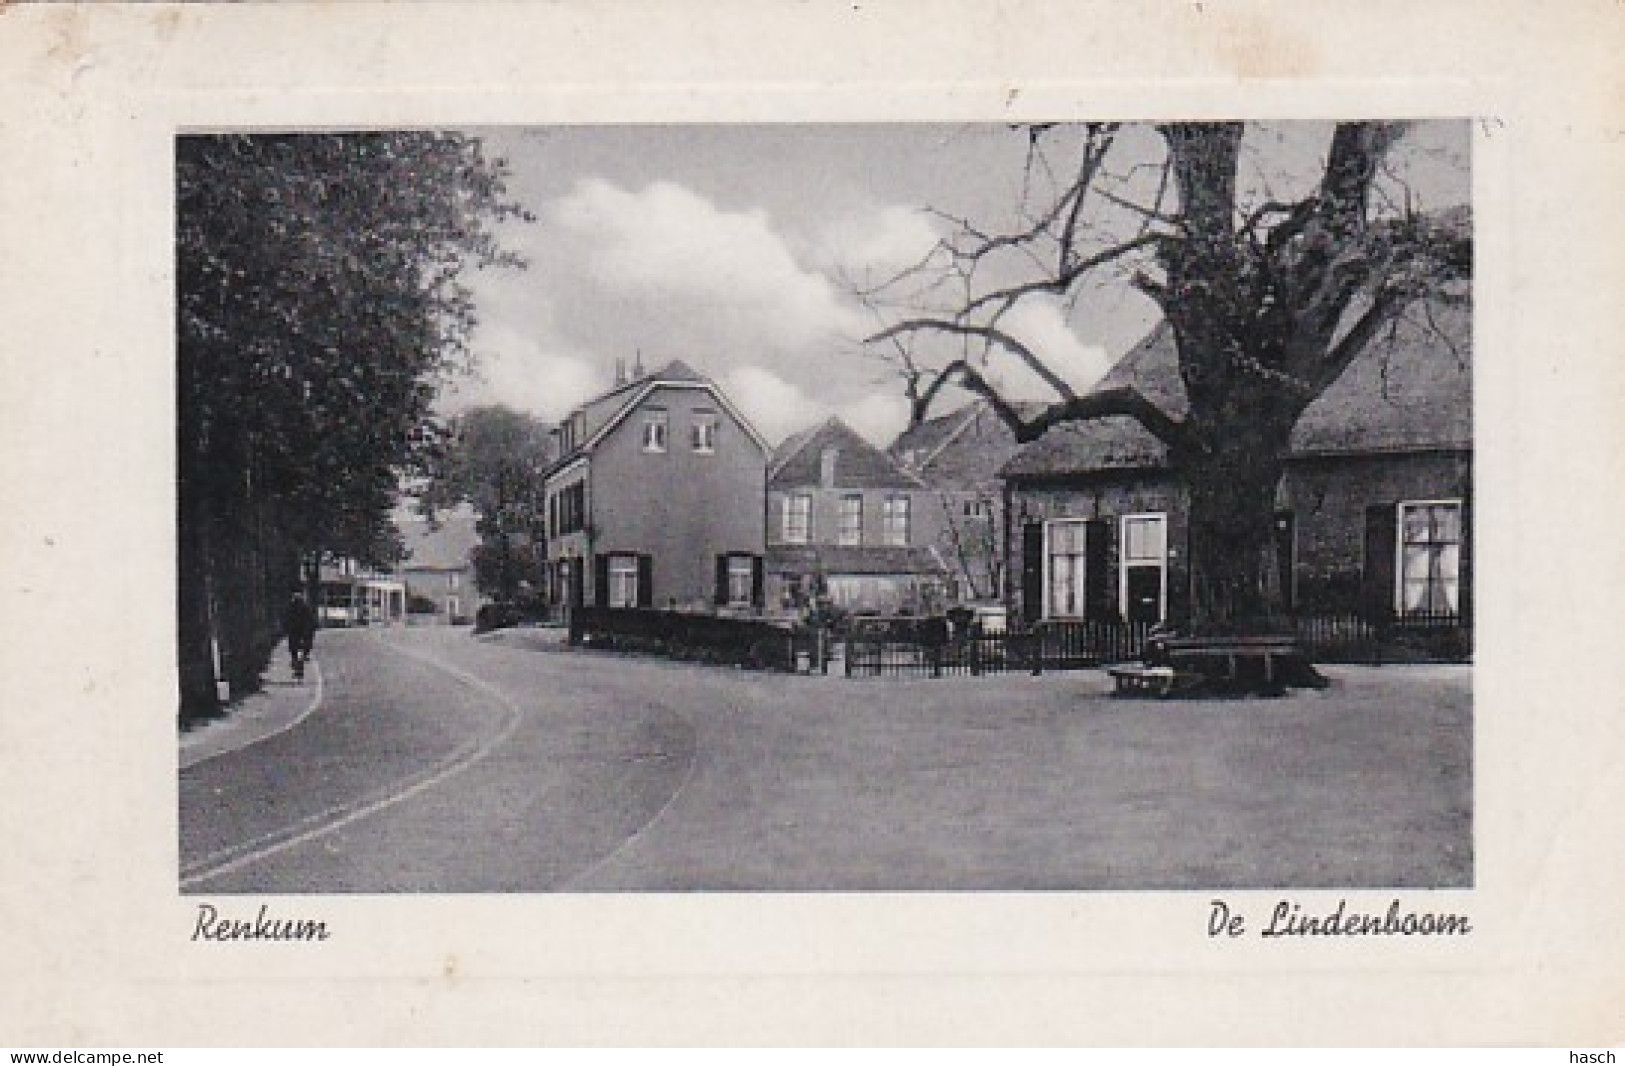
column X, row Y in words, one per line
column 928, row 647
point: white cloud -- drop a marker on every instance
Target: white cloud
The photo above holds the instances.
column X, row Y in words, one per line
column 880, row 243
column 774, row 406
column 666, row 241
column 879, row 416
column 532, row 374
column 1040, row 323
column 779, row 408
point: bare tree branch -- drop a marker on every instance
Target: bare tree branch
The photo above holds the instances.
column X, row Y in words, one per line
column 986, row 333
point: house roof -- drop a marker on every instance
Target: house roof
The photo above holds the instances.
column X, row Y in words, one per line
column 447, row 543
column 602, row 413
column 850, row 559
column 962, row 448
column 858, row 464
column 1410, row 389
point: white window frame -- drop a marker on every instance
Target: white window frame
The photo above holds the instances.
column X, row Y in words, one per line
column 854, row 535
column 1080, row 567
column 792, row 533
column 889, row 525
column 453, row 607
column 741, row 580
column 1399, row 548
column 656, row 430
column 623, row 581
column 703, row 432
column 1124, row 563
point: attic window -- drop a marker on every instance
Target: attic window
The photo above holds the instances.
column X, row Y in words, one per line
column 703, row 432
column 655, row 425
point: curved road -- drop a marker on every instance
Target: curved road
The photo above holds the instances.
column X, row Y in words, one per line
column 440, row 762
column 418, row 774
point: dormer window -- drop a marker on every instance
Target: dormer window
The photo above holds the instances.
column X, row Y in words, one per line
column 655, row 427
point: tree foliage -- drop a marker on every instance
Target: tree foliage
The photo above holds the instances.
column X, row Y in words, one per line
column 1269, row 299
column 493, row 459
column 320, row 304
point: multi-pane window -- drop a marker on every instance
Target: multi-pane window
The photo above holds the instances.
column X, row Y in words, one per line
column 895, row 519
column 703, row 432
column 1430, row 557
column 797, row 518
column 568, row 509
column 1142, row 560
column 1064, row 559
column 655, row 425
column 741, row 580
column 851, row 529
column 623, row 580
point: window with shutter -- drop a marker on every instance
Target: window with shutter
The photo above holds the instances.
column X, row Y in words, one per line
column 1065, row 568
column 1429, row 559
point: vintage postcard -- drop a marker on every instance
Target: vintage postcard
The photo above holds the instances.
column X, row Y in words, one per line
column 1079, row 525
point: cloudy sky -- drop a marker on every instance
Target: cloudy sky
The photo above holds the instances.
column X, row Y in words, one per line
column 735, row 248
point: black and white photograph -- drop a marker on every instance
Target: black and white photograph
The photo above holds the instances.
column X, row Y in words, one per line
column 795, row 523
column 1059, row 506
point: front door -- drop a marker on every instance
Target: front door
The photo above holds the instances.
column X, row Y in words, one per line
column 1143, row 594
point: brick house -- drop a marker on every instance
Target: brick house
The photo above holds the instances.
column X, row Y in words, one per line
column 958, row 457
column 655, row 498
column 1374, row 509
column 846, row 521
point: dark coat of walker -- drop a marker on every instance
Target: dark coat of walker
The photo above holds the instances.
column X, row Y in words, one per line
column 299, row 624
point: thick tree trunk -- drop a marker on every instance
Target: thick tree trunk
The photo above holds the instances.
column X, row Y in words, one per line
column 1234, row 580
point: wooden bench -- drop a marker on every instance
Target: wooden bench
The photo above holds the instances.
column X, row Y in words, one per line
column 1194, row 653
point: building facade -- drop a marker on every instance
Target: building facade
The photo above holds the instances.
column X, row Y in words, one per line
column 958, row 457
column 655, row 499
column 437, row 568
column 1374, row 510
column 846, row 524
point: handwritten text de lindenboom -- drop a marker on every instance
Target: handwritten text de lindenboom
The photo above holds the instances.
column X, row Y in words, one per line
column 1290, row 918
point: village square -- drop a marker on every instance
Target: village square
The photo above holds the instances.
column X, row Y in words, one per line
column 657, row 537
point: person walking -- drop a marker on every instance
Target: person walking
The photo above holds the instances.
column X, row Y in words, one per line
column 299, row 625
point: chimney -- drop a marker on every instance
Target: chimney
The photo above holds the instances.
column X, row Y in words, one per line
column 826, row 466
column 620, row 372
column 637, row 367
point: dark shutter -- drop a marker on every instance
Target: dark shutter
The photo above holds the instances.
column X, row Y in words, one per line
column 1097, row 582
column 757, row 598
column 646, row 591
column 1285, row 547
column 1464, row 602
column 722, row 581
column 1377, row 579
column 600, row 580
column 1032, row 571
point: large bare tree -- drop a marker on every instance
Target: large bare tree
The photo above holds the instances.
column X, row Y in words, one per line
column 1269, row 298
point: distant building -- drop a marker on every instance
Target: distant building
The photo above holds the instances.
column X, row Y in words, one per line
column 847, row 522
column 1373, row 513
column 352, row 595
column 957, row 457
column 437, row 568
column 655, row 498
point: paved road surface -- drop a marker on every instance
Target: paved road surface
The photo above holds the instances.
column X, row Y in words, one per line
column 438, row 762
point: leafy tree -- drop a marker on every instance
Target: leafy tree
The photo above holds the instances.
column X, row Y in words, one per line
column 1269, row 299
column 494, row 459
column 319, row 306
